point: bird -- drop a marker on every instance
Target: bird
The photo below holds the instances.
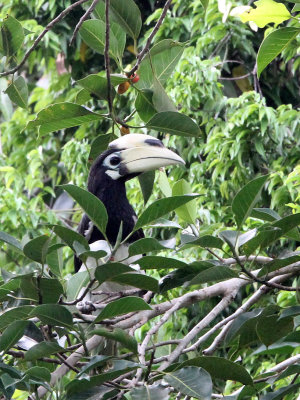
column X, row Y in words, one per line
column 126, row 157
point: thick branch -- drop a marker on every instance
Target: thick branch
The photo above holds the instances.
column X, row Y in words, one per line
column 40, row 37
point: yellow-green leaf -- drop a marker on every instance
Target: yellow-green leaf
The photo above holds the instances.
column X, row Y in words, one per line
column 266, row 11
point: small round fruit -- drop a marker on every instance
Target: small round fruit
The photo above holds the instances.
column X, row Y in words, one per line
column 123, row 87
column 124, row 130
column 134, row 78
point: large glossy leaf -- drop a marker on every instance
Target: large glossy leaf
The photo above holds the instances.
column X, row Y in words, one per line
column 145, row 245
column 122, row 306
column 290, row 312
column 76, row 283
column 127, row 14
column 277, row 264
column 204, row 241
column 144, row 104
column 96, row 361
column 266, row 214
column 12, row 334
column 37, row 248
column 276, row 230
column 93, row 33
column 61, row 116
column 273, row 45
column 14, row 314
column 137, row 280
column 187, row 212
column 17, row 91
column 92, row 206
column 246, row 199
column 119, row 335
column 39, row 373
column 282, row 392
column 161, row 207
column 97, row 85
column 164, row 56
column 215, row 273
column 174, row 123
column 5, row 237
column 70, row 237
column 12, row 36
column 43, row 349
column 150, row 392
column 156, row 262
column 220, row 368
column 265, row 12
column 239, row 322
column 107, row 271
column 191, row 381
column 146, row 181
column 161, row 101
column 53, row 314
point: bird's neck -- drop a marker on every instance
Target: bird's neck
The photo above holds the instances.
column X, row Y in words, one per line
column 112, row 193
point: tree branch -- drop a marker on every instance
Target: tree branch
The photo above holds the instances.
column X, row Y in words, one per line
column 40, row 37
column 82, row 19
column 143, row 52
column 106, row 57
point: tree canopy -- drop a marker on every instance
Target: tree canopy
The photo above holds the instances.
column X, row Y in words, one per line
column 216, row 81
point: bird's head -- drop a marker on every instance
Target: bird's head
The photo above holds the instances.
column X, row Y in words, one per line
column 131, row 155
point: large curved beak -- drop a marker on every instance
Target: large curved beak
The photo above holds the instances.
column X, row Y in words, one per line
column 141, row 153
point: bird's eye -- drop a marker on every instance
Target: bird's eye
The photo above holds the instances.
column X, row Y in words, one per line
column 114, row 160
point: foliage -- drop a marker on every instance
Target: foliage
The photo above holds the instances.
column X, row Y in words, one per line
column 221, row 233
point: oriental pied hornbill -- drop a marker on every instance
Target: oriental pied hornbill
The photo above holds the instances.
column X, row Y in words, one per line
column 126, row 158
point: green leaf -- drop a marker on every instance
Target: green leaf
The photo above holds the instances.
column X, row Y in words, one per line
column 277, row 264
column 270, row 329
column 119, row 335
column 264, row 238
column 280, row 393
column 144, row 105
column 187, row 212
column 191, row 381
column 12, row 334
column 99, row 145
column 5, row 237
column 70, row 237
column 14, row 314
column 61, row 116
column 92, row 206
column 54, row 259
column 204, row 3
column 220, row 368
column 50, row 290
column 17, row 91
column 107, row 271
column 53, row 314
column 127, row 14
column 266, row 11
column 12, row 36
column 96, row 361
column 137, row 280
column 43, row 349
column 97, row 85
column 93, row 33
column 161, row 207
column 161, row 101
column 146, row 181
column 215, row 273
column 164, row 184
column 206, row 241
column 290, row 312
column 164, row 56
column 145, row 245
column 229, row 237
column 246, row 198
column 150, row 392
column 37, row 248
column 273, row 45
column 76, row 283
column 266, row 214
column 122, row 306
column 39, row 373
column 237, row 326
column 174, row 123
column 156, row 262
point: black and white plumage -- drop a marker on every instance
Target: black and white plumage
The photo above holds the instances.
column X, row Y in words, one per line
column 126, row 158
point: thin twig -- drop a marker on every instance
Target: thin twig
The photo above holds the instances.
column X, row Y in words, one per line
column 71, row 303
column 106, row 58
column 143, row 52
column 235, row 78
column 82, row 19
column 40, row 37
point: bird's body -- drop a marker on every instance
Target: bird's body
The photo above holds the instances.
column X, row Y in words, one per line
column 126, row 158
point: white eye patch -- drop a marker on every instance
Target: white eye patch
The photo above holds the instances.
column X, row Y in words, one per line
column 112, row 161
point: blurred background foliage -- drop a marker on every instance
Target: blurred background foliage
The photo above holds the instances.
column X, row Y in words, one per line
column 245, row 132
